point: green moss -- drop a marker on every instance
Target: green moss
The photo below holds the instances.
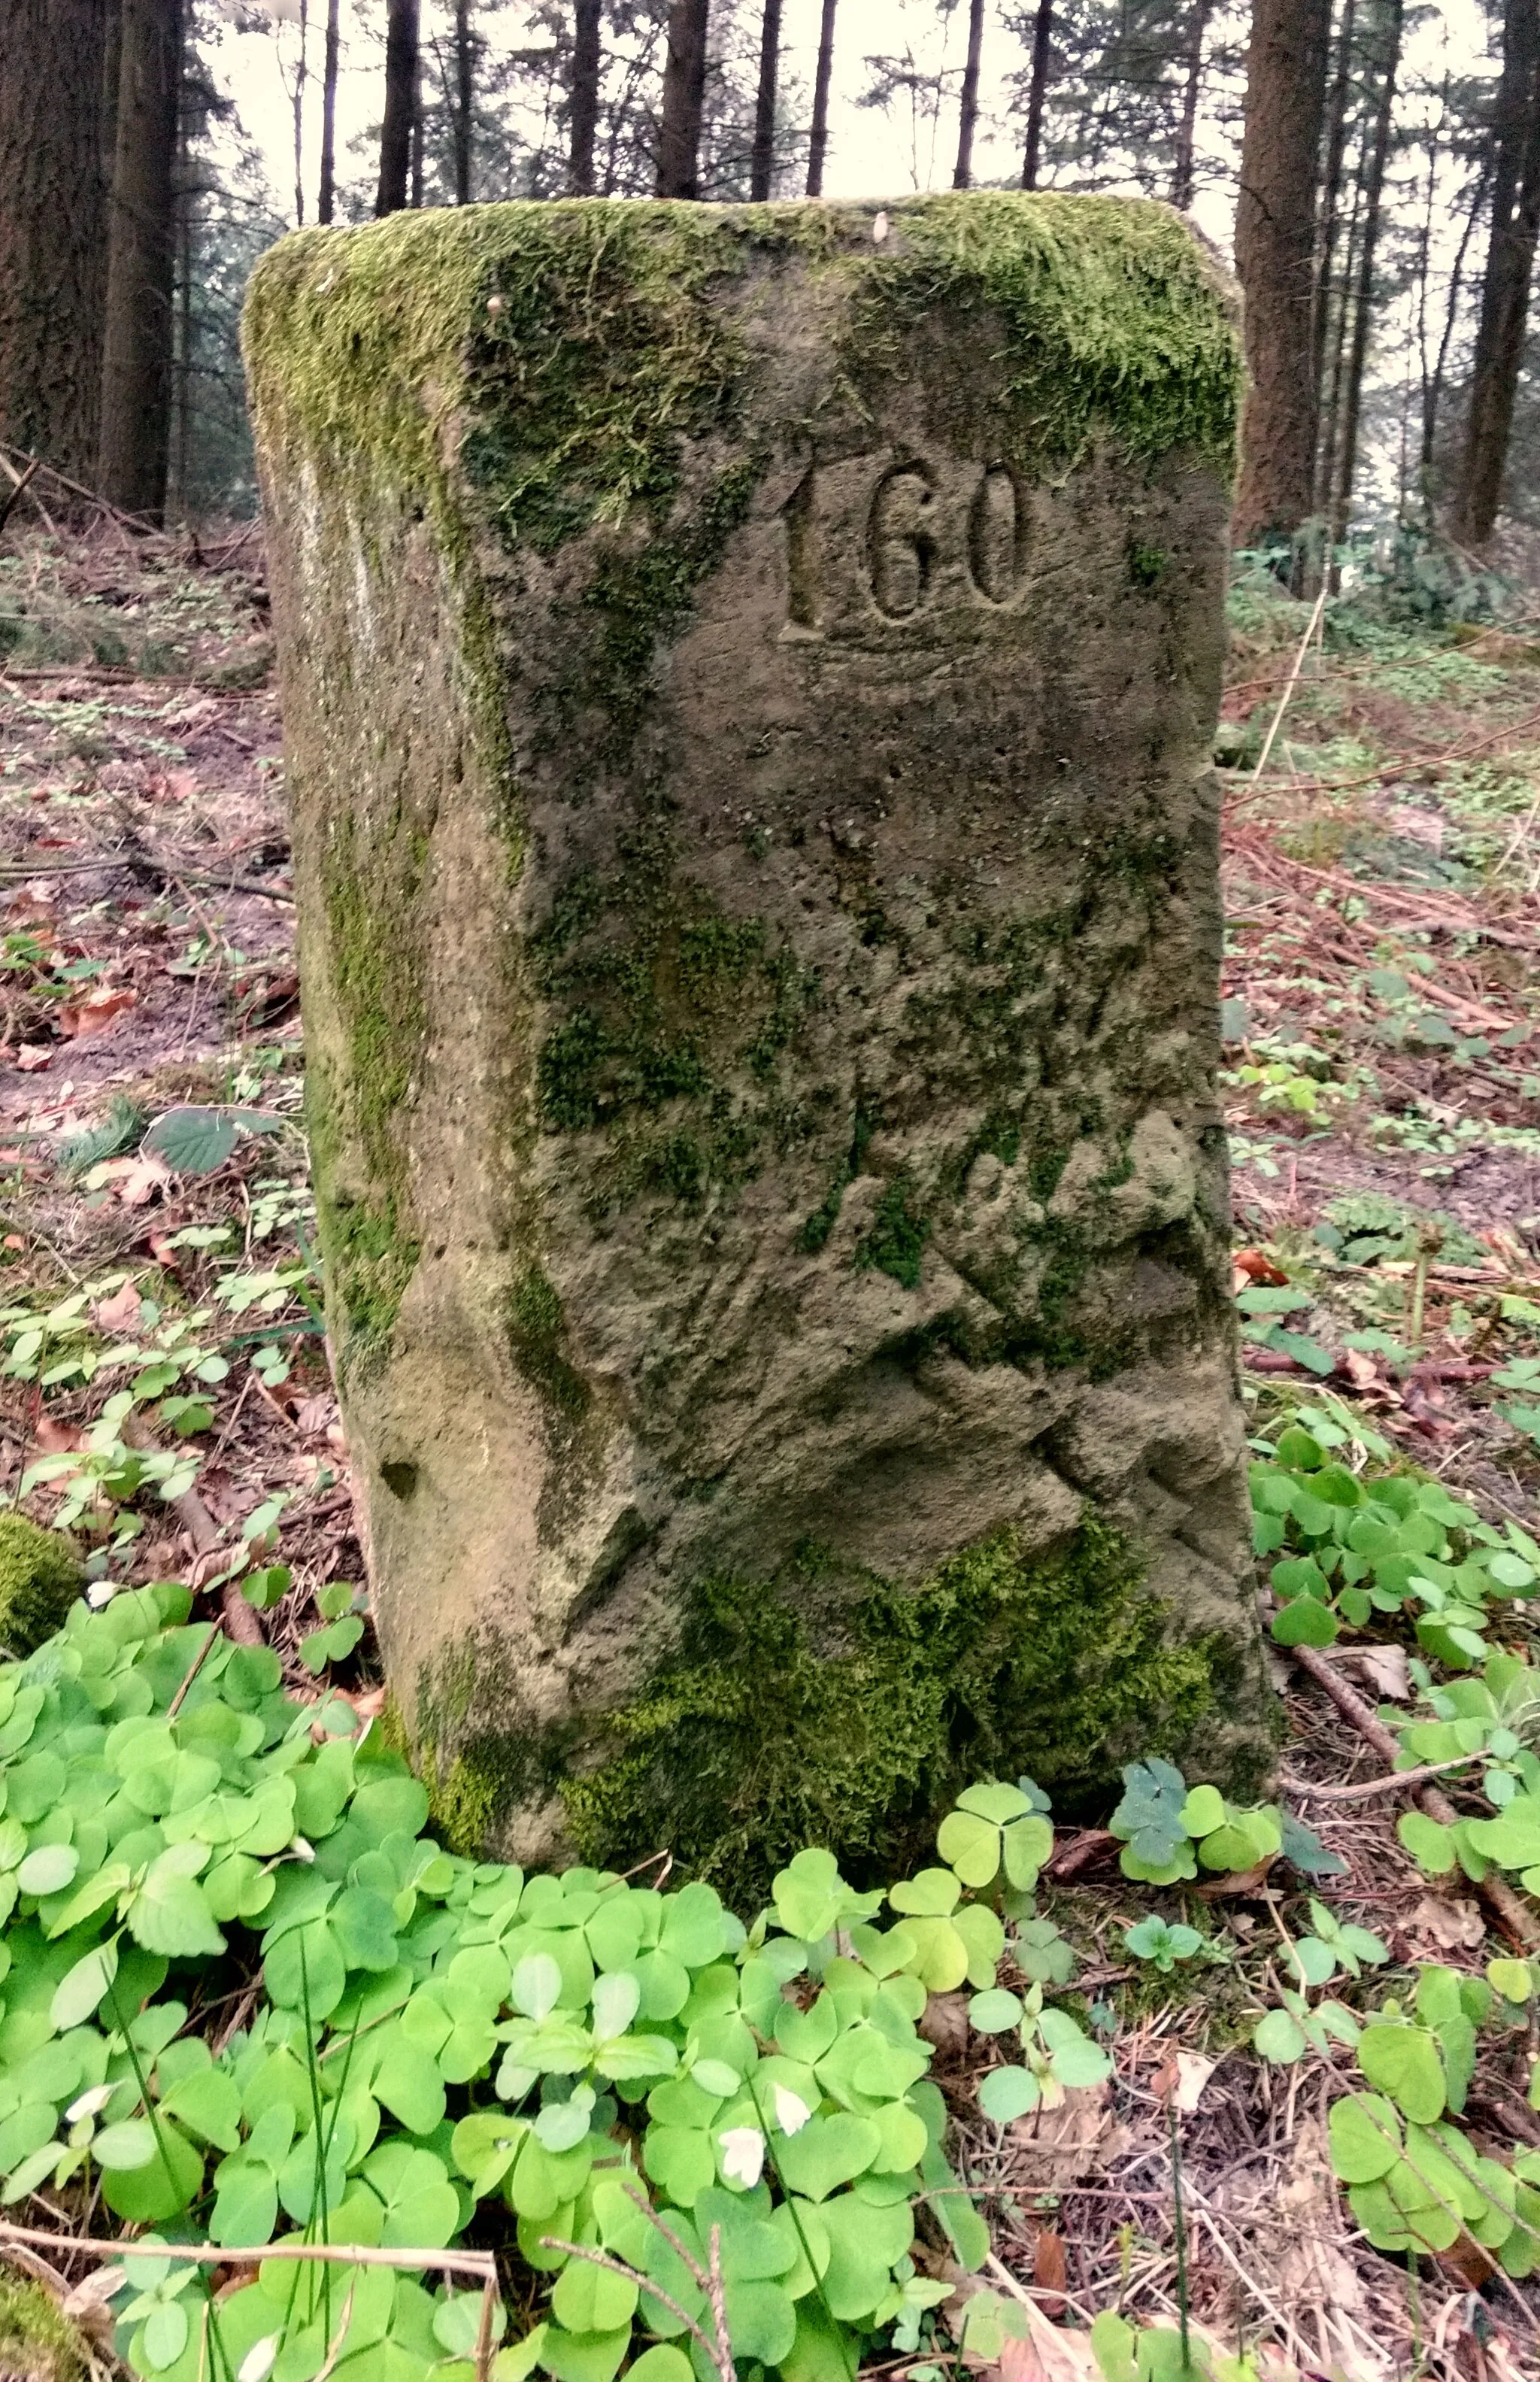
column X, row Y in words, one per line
column 1147, row 565
column 39, row 1579
column 762, row 1736
column 36, row 2339
column 537, row 1336
column 1113, row 319
column 894, row 1242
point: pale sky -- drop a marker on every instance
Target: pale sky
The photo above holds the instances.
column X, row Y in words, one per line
column 873, row 152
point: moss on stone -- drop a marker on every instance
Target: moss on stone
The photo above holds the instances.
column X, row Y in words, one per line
column 1113, row 318
column 770, row 1731
column 39, row 1579
column 36, row 2338
column 894, row 1242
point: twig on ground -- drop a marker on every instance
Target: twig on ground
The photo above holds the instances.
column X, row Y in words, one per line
column 1518, row 1924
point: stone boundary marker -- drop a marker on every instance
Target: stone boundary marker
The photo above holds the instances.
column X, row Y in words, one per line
column 749, row 678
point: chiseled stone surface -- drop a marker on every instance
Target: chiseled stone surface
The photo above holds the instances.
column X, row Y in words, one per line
column 749, row 676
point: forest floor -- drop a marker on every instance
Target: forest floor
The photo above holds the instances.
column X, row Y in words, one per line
column 158, row 1289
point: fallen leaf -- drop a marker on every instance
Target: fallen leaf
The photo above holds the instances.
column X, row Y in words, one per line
column 51, row 1438
column 1054, row 2148
column 316, row 1414
column 13, row 1241
column 1193, row 2073
column 944, row 2023
column 1050, row 2272
column 93, row 2290
column 1384, row 1668
column 1048, row 2354
column 1452, row 1926
column 96, row 1013
column 1237, row 1880
column 33, row 1057
column 1361, row 1369
column 1258, row 1268
column 136, row 1179
column 119, row 1313
column 1311, row 2273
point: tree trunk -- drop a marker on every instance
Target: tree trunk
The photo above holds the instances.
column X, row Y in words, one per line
column 1331, row 215
column 325, row 204
column 400, row 105
column 1037, row 92
column 52, row 226
column 1504, row 289
column 1452, row 315
column 183, row 360
column 1275, row 256
column 465, row 84
column 136, row 367
column 418, row 161
column 684, row 91
column 762, row 166
column 583, row 119
column 1187, row 131
column 301, row 75
column 818, row 138
column 963, row 173
column 1363, row 304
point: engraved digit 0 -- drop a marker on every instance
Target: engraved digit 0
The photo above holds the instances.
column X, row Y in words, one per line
column 995, row 535
column 900, row 549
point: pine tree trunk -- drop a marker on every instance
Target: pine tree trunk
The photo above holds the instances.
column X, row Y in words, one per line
column 583, row 119
column 465, row 84
column 818, row 136
column 1504, row 289
column 137, row 334
column 1331, row 211
column 400, row 105
column 52, row 226
column 963, row 173
column 1275, row 256
column 183, row 360
column 301, row 76
column 762, row 167
column 325, row 204
column 1187, row 131
column 1037, row 92
column 1452, row 315
column 684, row 91
column 417, row 156
column 1364, row 303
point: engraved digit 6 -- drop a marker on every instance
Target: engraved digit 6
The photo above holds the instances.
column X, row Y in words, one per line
column 900, row 549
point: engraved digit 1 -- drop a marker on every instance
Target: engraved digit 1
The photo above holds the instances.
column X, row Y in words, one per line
column 995, row 535
column 900, row 549
column 802, row 618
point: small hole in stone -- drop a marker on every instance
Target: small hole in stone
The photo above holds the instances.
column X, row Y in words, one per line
column 400, row 1480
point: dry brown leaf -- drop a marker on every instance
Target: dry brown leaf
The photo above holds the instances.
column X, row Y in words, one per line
column 33, row 1057
column 1048, row 2354
column 51, row 1438
column 1237, row 1880
column 94, row 2290
column 1451, row 1925
column 1384, row 1668
column 316, row 1414
column 1050, row 2272
column 1253, row 1266
column 1054, row 2148
column 1361, row 1369
column 1313, row 2273
column 96, row 1013
column 136, row 1179
column 1193, row 2073
column 944, row 2022
column 118, row 1313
